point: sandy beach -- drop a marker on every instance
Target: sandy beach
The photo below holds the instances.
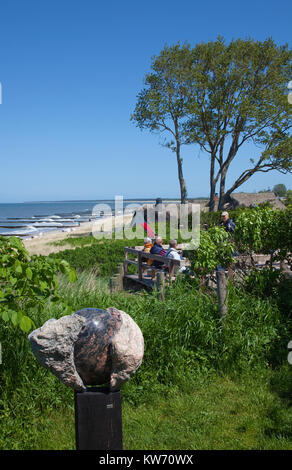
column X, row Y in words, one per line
column 42, row 244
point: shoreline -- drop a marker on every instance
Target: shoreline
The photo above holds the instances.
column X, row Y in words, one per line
column 41, row 244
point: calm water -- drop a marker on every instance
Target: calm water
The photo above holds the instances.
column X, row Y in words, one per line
column 25, row 219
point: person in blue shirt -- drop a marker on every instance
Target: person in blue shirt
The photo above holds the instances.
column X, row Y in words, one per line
column 227, row 223
column 157, row 249
column 229, row 226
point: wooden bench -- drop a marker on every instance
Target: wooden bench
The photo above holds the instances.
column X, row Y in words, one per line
column 143, row 267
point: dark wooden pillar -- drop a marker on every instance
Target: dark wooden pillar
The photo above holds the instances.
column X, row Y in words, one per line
column 140, row 270
column 98, row 419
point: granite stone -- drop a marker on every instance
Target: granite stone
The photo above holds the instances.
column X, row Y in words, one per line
column 90, row 347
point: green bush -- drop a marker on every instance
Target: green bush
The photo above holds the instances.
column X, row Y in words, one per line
column 102, row 256
column 26, row 282
column 215, row 248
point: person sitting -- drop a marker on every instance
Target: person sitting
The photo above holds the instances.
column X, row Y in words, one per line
column 157, row 249
column 172, row 250
column 147, row 247
column 227, row 223
column 173, row 254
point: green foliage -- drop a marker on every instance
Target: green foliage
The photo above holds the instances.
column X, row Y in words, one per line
column 280, row 190
column 264, row 230
column 271, row 284
column 26, row 282
column 215, row 249
column 162, row 105
column 221, row 96
column 288, row 201
column 258, row 229
column 236, row 88
column 102, row 255
column 209, row 219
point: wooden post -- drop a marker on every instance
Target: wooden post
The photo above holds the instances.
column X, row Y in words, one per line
column 114, row 283
column 98, row 419
column 120, row 275
column 171, row 271
column 221, row 292
column 126, row 264
column 121, row 268
column 140, row 271
column 111, row 285
column 160, row 282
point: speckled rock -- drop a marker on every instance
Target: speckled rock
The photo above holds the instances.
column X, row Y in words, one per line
column 90, row 347
column 52, row 344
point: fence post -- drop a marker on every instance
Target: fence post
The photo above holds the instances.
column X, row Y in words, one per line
column 221, row 292
column 113, row 283
column 160, row 282
column 171, row 270
column 126, row 264
column 140, row 271
column 120, row 275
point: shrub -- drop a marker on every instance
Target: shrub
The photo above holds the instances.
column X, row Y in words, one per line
column 26, row 282
column 215, row 249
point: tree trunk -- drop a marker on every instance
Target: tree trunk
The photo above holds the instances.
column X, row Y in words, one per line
column 212, row 185
column 183, row 191
column 222, row 198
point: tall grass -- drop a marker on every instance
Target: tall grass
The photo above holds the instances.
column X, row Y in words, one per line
column 186, row 346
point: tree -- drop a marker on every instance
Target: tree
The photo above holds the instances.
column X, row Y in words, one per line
column 280, row 190
column 162, row 104
column 239, row 96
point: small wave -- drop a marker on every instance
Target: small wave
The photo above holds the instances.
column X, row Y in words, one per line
column 47, row 224
column 31, row 228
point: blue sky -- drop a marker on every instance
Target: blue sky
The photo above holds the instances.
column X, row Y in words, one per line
column 70, row 73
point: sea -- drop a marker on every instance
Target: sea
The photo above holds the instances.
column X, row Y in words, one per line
column 34, row 218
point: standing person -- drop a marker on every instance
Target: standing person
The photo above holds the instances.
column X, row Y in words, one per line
column 227, row 223
column 229, row 226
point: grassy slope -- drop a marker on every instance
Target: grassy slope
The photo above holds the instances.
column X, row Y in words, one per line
column 169, row 403
column 211, row 413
